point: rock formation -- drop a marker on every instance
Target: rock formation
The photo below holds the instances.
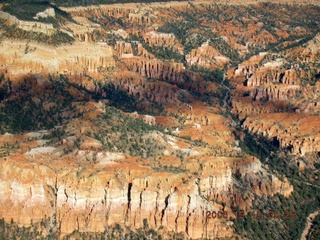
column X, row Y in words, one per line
column 173, row 152
column 206, row 56
column 168, row 71
column 88, row 200
column 49, row 12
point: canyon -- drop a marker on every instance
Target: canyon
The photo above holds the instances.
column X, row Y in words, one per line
column 150, row 114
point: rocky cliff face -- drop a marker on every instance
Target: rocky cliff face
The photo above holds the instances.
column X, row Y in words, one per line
column 89, row 189
column 175, row 152
column 163, row 39
column 301, row 141
column 206, row 56
column 88, row 200
column 275, row 92
column 124, row 49
column 168, row 71
column 160, row 39
column 266, row 75
column 21, row 58
column 142, row 89
column 281, row 99
column 218, row 184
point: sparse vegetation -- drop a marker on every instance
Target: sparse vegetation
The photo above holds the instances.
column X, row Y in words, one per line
column 37, row 231
column 181, row 29
column 55, row 39
column 28, row 113
column 27, row 10
column 70, row 3
column 115, row 127
column 125, row 134
column 315, row 230
column 161, row 52
column 304, row 200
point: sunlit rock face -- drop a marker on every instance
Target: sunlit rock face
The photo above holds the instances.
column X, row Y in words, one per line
column 88, row 200
column 94, row 167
